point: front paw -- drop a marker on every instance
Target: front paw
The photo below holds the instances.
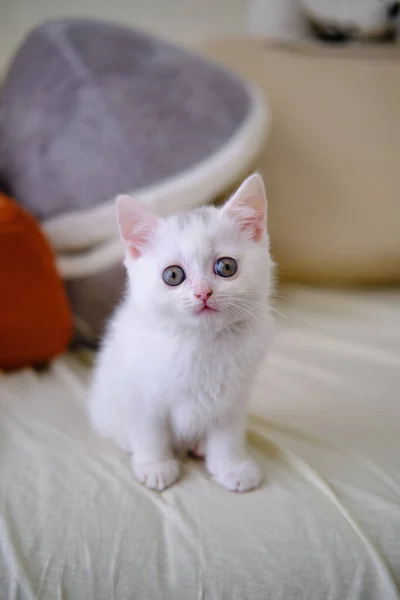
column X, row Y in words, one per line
column 157, row 475
column 238, row 477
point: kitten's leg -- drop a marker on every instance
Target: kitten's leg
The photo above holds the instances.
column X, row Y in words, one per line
column 226, row 457
column 153, row 460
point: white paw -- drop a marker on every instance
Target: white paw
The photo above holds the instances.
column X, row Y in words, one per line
column 157, row 475
column 239, row 477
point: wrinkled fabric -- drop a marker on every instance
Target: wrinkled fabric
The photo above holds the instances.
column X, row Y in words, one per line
column 325, row 524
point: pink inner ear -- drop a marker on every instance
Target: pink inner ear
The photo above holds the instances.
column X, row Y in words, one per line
column 248, row 206
column 250, row 221
column 134, row 252
column 136, row 224
column 255, row 228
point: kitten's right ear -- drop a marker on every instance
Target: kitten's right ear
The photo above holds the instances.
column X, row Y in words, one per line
column 136, row 224
column 248, row 206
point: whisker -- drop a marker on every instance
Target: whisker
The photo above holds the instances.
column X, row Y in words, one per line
column 246, row 304
column 243, row 311
column 276, row 296
column 277, row 312
column 268, row 294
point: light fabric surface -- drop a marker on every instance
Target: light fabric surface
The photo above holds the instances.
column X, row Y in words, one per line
column 325, row 525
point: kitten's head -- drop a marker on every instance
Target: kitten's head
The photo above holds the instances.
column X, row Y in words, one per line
column 207, row 268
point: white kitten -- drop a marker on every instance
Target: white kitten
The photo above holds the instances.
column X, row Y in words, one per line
column 181, row 350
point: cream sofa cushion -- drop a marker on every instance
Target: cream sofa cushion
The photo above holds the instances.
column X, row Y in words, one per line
column 332, row 160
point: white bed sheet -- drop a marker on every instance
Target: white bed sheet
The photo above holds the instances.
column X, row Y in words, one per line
column 324, row 423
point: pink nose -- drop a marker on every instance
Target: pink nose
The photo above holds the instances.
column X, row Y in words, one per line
column 203, row 293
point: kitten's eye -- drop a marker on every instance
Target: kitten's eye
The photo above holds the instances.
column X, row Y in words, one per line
column 225, row 267
column 174, row 275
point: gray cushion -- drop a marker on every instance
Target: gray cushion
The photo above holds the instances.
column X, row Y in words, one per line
column 91, row 109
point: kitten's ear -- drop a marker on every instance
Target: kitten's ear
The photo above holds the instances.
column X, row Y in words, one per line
column 248, row 206
column 136, row 224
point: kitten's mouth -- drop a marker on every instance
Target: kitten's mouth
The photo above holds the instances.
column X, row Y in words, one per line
column 206, row 309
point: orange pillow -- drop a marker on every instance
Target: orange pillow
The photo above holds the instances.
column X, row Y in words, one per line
column 35, row 320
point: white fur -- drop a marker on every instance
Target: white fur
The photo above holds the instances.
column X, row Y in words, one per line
column 168, row 378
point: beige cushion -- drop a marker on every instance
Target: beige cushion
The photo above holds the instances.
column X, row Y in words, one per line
column 333, row 159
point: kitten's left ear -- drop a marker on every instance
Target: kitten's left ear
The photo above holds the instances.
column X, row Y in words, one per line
column 137, row 224
column 248, row 206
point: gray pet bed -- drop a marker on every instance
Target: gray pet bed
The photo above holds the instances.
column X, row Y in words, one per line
column 89, row 110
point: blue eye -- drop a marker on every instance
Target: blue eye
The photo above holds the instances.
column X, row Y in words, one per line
column 225, row 267
column 173, row 275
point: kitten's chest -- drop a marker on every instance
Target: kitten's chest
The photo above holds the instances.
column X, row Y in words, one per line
column 196, row 380
column 173, row 369
column 205, row 388
column 208, row 368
